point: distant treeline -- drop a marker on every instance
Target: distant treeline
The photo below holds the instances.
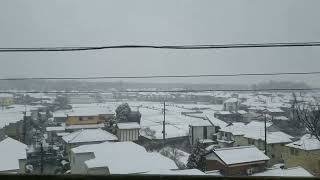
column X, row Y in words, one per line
column 69, row 85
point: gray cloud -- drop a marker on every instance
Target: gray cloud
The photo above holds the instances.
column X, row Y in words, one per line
column 36, row 23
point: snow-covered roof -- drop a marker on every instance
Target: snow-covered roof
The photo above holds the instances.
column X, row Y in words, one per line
column 89, row 135
column 231, row 100
column 241, row 154
column 306, row 142
column 128, row 125
column 289, row 172
column 6, row 95
column 242, row 112
column 125, row 158
column 201, row 123
column 282, row 118
column 236, row 128
column 11, row 151
column 55, row 128
column 213, row 173
column 194, row 172
column 84, row 126
column 216, row 121
column 274, row 110
column 223, row 112
column 272, row 137
column 62, row 133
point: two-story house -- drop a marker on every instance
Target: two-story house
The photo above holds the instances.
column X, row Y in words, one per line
column 304, row 152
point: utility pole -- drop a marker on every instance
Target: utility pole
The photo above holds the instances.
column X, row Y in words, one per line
column 164, row 122
column 24, row 127
column 41, row 158
column 265, row 134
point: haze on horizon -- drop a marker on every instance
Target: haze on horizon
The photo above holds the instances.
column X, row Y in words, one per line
column 45, row 23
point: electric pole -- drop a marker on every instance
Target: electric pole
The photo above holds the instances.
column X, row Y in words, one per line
column 265, row 134
column 164, row 122
column 24, row 127
column 41, row 158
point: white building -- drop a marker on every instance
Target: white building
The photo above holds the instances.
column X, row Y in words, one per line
column 13, row 156
column 87, row 136
column 128, row 131
column 231, row 104
column 117, row 158
column 203, row 131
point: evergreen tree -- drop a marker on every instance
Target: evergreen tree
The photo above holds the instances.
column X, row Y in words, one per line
column 197, row 158
column 123, row 112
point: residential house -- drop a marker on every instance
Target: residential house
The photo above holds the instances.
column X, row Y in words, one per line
column 6, row 99
column 203, row 131
column 127, row 131
column 255, row 135
column 275, row 112
column 13, row 156
column 232, row 135
column 77, row 118
column 231, row 104
column 305, row 153
column 275, row 143
column 242, row 160
column 227, row 116
column 87, row 136
column 117, row 158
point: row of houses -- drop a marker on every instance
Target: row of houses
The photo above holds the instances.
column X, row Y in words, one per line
column 280, row 148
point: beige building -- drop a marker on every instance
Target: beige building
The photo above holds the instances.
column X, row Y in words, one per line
column 275, row 144
column 239, row 134
column 304, row 153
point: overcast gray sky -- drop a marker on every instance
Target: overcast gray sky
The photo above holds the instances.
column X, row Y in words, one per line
column 37, row 23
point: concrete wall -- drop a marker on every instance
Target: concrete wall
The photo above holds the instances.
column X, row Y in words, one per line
column 22, row 165
column 309, row 160
column 77, row 162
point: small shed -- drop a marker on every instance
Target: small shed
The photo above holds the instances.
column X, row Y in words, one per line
column 128, row 131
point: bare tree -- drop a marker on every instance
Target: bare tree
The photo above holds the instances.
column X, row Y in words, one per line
column 308, row 114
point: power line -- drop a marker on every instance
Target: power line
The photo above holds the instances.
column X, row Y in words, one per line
column 178, row 47
column 163, row 91
column 161, row 76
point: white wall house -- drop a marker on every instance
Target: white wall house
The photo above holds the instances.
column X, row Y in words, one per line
column 128, row 131
column 203, row 131
column 12, row 156
column 87, row 136
column 231, row 104
column 117, row 158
